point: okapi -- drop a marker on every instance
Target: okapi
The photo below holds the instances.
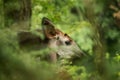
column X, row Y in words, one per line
column 61, row 43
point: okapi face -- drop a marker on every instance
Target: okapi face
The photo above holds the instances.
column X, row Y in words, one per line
column 64, row 45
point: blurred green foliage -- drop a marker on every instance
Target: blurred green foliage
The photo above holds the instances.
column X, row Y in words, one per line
column 77, row 18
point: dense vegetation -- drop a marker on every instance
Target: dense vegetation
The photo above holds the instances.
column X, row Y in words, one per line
column 93, row 24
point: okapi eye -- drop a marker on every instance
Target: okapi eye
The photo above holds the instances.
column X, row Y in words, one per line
column 57, row 38
column 67, row 42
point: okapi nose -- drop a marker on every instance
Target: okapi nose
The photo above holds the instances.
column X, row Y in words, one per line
column 67, row 42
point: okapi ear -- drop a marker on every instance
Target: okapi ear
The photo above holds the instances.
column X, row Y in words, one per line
column 48, row 28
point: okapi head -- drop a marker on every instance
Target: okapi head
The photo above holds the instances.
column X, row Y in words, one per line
column 64, row 45
column 59, row 43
